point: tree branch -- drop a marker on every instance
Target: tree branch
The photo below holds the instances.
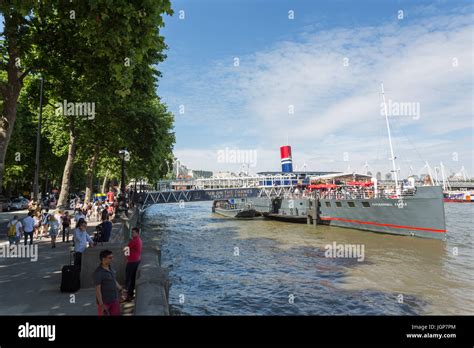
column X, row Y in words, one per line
column 23, row 75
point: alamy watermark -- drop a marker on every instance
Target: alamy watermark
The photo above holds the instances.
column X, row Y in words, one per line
column 237, row 156
column 37, row 331
column 394, row 108
column 82, row 109
column 19, row 251
column 356, row 251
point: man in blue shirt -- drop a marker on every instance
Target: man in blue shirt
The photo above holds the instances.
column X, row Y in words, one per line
column 105, row 228
column 28, row 227
column 81, row 238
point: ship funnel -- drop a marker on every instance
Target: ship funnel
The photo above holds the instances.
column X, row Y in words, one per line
column 286, row 161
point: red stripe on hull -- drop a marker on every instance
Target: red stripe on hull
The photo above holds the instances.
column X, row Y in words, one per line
column 449, row 200
column 384, row 225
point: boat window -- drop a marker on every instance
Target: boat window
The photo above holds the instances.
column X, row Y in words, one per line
column 366, row 204
column 338, row 204
column 328, row 204
column 351, row 204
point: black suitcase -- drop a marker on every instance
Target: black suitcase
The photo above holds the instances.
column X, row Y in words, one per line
column 70, row 278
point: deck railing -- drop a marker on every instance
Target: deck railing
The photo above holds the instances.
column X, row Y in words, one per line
column 347, row 193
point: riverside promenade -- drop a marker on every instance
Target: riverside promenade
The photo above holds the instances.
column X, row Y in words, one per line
column 32, row 287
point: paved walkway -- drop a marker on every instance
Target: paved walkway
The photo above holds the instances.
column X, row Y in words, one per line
column 32, row 288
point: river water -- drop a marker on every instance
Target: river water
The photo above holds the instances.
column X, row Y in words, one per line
column 220, row 266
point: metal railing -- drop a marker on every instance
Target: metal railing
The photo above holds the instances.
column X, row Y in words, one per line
column 347, row 193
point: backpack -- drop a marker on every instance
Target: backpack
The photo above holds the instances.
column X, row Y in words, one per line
column 45, row 217
column 12, row 229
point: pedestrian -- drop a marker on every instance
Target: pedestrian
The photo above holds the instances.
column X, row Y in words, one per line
column 107, row 289
column 37, row 223
column 44, row 223
column 110, row 210
column 106, row 227
column 88, row 211
column 78, row 216
column 28, row 227
column 53, row 226
column 110, row 196
column 98, row 209
column 66, row 222
column 58, row 215
column 14, row 229
column 81, row 239
column 134, row 255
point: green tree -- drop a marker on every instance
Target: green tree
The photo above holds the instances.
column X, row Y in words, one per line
column 15, row 51
column 98, row 52
column 106, row 45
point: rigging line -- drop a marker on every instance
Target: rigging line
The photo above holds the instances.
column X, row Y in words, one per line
column 399, row 127
column 379, row 136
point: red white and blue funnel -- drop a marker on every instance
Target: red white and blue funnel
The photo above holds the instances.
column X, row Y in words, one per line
column 286, row 161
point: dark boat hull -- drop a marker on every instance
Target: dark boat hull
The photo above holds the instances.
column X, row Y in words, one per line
column 420, row 215
column 237, row 213
column 286, row 218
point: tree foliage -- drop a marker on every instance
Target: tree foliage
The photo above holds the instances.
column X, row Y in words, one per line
column 104, row 53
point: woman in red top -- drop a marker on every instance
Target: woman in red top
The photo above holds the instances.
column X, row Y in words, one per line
column 110, row 196
column 133, row 260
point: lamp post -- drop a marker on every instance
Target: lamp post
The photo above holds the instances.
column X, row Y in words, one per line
column 124, row 156
column 38, row 145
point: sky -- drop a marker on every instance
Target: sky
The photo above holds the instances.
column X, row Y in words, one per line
column 245, row 77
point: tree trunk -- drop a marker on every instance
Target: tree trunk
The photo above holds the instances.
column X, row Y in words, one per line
column 104, row 184
column 10, row 91
column 90, row 174
column 46, row 185
column 66, row 182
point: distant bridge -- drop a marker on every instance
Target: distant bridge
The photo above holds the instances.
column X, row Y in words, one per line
column 147, row 199
column 468, row 185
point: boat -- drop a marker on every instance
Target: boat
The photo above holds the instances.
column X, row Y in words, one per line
column 415, row 211
column 458, row 197
column 358, row 201
column 462, row 195
column 287, row 210
column 234, row 208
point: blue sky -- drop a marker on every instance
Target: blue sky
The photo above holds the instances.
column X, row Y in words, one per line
column 423, row 58
column 326, row 64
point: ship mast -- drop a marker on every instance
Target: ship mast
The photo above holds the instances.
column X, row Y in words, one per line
column 397, row 187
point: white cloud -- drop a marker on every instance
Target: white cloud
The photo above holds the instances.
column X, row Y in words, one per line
column 337, row 108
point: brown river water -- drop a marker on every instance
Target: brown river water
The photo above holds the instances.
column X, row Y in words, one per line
column 221, row 266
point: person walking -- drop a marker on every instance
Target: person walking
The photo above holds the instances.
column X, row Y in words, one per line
column 58, row 215
column 88, row 211
column 110, row 196
column 110, row 211
column 44, row 224
column 14, row 228
column 106, row 228
column 81, row 239
column 107, row 289
column 53, row 228
column 37, row 223
column 28, row 227
column 66, row 222
column 98, row 209
column 79, row 216
column 133, row 261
